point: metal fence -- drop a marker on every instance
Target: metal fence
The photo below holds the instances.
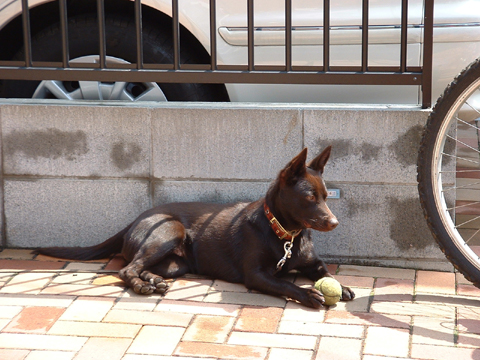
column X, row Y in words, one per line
column 217, row 73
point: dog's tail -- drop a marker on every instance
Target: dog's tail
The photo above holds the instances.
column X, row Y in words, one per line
column 108, row 247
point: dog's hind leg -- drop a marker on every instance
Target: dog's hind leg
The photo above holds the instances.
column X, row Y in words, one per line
column 151, row 247
column 171, row 267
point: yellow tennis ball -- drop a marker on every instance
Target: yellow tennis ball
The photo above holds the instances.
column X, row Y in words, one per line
column 331, row 290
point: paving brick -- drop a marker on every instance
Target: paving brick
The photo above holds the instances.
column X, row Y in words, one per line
column 3, row 323
column 34, row 320
column 312, row 328
column 84, row 266
column 16, row 254
column 31, row 265
column 113, row 280
column 128, row 303
column 41, row 342
column 259, row 319
column 97, row 329
column 355, row 281
column 35, row 300
column 148, row 317
column 104, row 348
column 13, row 354
column 207, row 329
column 361, row 303
column 156, row 340
column 377, row 272
column 194, row 307
column 5, row 277
column 468, row 320
column 221, row 351
column 189, row 289
column 415, row 309
column 116, row 263
column 427, row 330
column 468, row 340
column 434, row 352
column 88, row 309
column 393, row 290
column 220, row 285
column 273, row 340
column 74, row 278
column 461, row 280
column 297, row 312
column 289, row 354
column 339, row 349
column 468, row 290
column 27, row 283
column 83, row 290
column 436, row 282
column 255, row 299
column 368, row 319
column 50, row 355
column 386, row 342
column 9, row 312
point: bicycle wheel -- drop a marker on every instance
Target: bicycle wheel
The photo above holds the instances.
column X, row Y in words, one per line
column 449, row 172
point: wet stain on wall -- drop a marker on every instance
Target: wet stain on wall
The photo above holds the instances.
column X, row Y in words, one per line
column 345, row 148
column 406, row 146
column 125, row 155
column 50, row 144
column 408, row 227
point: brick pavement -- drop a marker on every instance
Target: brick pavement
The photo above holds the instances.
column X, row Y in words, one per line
column 52, row 309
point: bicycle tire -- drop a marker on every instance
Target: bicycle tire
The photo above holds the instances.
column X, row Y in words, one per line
column 448, row 172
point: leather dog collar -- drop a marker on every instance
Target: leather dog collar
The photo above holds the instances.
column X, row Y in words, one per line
column 277, row 227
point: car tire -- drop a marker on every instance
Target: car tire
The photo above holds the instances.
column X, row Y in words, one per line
column 120, row 44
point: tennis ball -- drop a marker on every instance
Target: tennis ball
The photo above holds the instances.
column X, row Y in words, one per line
column 331, row 290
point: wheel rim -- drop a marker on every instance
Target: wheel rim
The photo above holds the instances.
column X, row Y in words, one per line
column 456, row 173
column 96, row 90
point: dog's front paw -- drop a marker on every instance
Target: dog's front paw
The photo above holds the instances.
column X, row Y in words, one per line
column 347, row 293
column 315, row 299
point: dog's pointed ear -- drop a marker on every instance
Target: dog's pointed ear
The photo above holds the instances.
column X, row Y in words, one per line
column 318, row 164
column 295, row 168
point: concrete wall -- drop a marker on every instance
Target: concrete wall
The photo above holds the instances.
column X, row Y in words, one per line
column 75, row 174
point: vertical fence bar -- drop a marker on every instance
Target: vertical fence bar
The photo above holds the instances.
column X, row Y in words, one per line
column 139, row 33
column 427, row 55
column 326, row 35
column 288, row 35
column 403, row 37
column 364, row 35
column 213, row 35
column 101, row 33
column 251, row 33
column 64, row 31
column 27, row 40
column 176, row 35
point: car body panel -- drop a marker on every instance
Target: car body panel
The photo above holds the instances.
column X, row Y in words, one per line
column 456, row 42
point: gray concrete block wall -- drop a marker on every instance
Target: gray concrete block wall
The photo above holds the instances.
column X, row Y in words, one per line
column 75, row 174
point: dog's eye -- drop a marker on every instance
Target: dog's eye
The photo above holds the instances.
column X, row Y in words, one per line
column 311, row 197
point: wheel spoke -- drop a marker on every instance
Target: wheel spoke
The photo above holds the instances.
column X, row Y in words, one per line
column 151, row 94
column 466, row 186
column 57, row 89
column 119, row 92
column 460, row 158
column 90, row 90
column 463, row 206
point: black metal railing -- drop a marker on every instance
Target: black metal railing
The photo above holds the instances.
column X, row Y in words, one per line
column 218, row 73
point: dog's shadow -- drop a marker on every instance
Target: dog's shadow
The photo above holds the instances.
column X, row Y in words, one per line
column 458, row 317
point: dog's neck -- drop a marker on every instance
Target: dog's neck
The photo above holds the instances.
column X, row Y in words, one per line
column 277, row 227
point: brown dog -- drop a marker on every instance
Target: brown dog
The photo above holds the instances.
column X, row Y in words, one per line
column 250, row 243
